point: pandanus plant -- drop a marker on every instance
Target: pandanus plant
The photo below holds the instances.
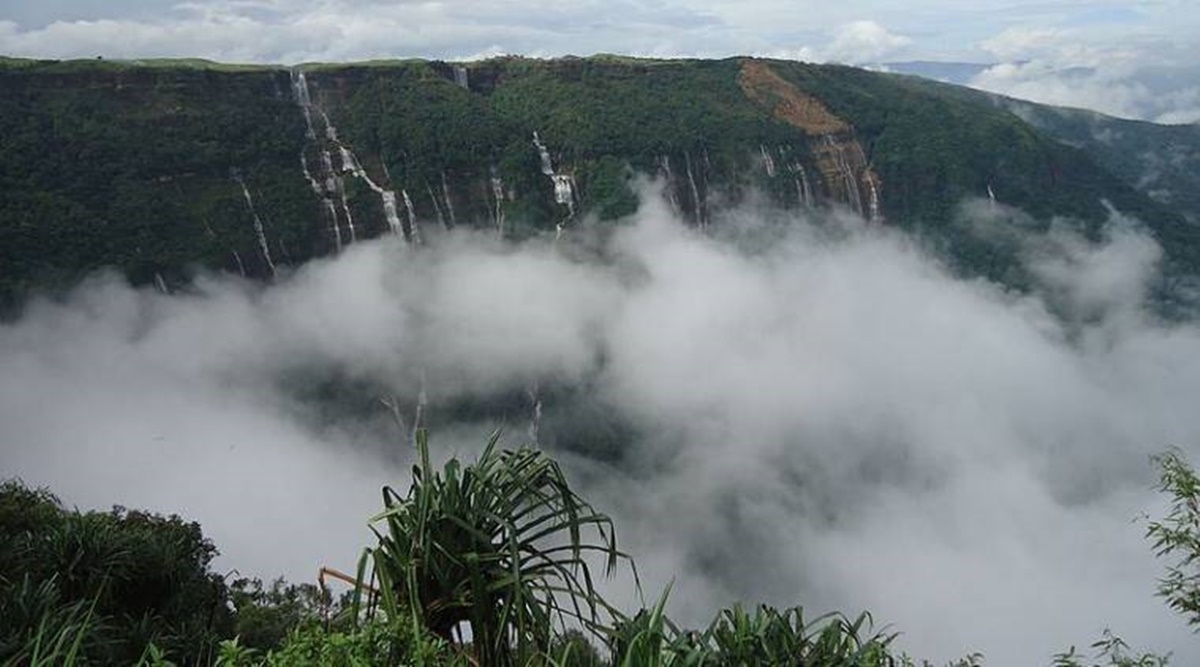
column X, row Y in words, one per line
column 502, row 546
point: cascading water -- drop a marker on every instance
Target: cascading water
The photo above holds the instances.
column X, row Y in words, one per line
column 564, row 183
column 449, row 203
column 414, row 231
column 437, row 207
column 803, row 190
column 699, row 207
column 392, row 213
column 460, row 77
column 544, row 153
column 846, row 173
column 325, row 200
column 498, row 194
column 351, row 165
column 664, row 166
column 259, row 230
column 873, row 199
column 241, row 267
column 334, row 184
column 300, row 91
column 768, row 161
column 333, row 187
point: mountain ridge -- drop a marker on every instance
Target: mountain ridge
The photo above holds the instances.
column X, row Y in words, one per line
column 158, row 167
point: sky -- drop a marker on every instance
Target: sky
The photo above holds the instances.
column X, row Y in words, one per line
column 818, row 414
column 1132, row 59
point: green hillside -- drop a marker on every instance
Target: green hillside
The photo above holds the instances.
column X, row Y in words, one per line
column 156, row 168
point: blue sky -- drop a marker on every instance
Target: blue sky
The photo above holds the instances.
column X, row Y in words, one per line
column 1133, row 59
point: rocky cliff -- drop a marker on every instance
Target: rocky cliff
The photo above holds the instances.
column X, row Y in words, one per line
column 159, row 168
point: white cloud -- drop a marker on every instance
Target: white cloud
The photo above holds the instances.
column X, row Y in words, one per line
column 864, row 42
column 832, row 421
column 1140, row 77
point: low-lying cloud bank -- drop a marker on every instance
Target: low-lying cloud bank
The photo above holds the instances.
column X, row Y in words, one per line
column 824, row 417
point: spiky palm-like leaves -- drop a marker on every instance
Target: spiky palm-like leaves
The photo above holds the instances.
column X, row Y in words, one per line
column 738, row 638
column 502, row 545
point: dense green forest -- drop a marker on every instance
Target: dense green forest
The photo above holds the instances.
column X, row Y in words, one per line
column 159, row 168
column 493, row 562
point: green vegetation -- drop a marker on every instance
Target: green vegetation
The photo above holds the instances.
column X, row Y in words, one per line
column 133, row 167
column 485, row 563
column 135, row 164
column 1177, row 536
column 498, row 546
column 104, row 584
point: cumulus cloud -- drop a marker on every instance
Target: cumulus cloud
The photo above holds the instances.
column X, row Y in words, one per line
column 824, row 417
column 864, row 42
column 355, row 30
column 1141, row 78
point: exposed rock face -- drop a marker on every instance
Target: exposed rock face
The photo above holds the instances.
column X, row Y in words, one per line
column 845, row 172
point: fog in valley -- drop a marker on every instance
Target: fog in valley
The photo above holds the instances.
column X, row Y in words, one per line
column 792, row 409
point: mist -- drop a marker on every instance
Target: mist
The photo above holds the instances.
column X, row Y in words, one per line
column 817, row 412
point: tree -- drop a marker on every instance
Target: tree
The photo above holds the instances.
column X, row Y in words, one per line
column 1177, row 536
column 122, row 579
column 501, row 545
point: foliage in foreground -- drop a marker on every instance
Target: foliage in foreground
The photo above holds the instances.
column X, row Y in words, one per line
column 1177, row 537
column 104, row 584
column 498, row 547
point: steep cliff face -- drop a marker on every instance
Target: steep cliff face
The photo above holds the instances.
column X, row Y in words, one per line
column 157, row 169
column 846, row 175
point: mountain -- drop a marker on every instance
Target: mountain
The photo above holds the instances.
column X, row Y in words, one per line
column 158, row 167
column 1162, row 161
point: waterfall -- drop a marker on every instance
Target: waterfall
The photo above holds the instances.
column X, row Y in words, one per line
column 803, row 190
column 258, row 225
column 300, row 91
column 687, row 162
column 564, row 183
column 346, row 210
column 873, row 200
column 334, row 184
column 351, row 165
column 241, row 267
column 498, row 194
column 460, row 77
column 320, row 192
column 664, row 164
column 547, row 168
column 449, row 204
column 437, row 207
column 768, row 161
column 850, row 181
column 391, row 212
column 564, row 191
column 413, row 229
